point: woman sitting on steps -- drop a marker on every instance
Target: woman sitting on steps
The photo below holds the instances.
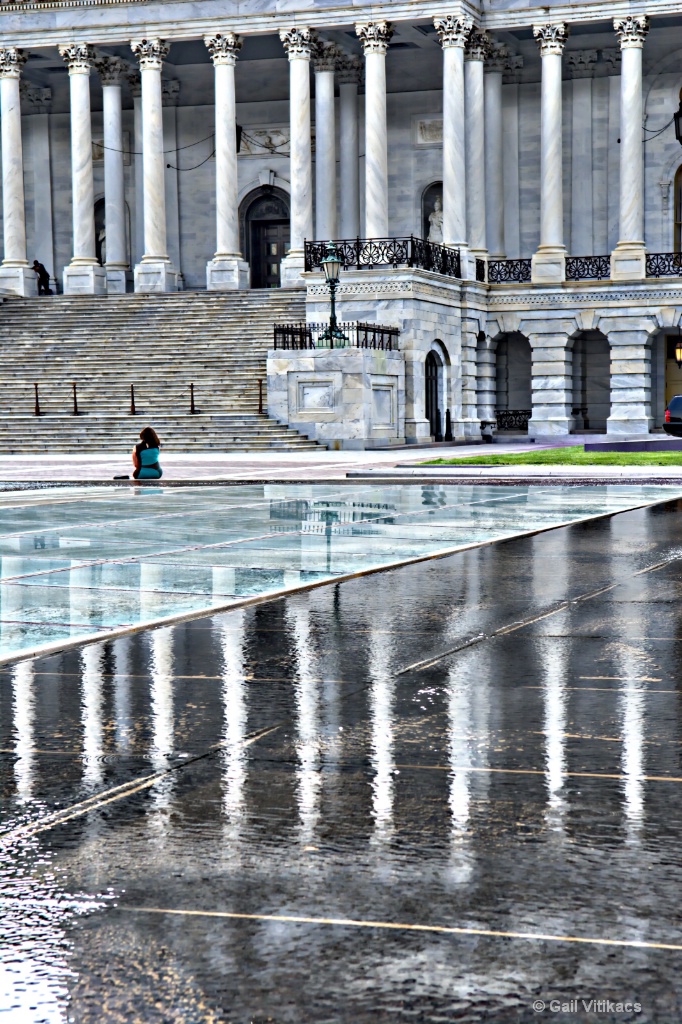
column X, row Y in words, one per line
column 146, row 456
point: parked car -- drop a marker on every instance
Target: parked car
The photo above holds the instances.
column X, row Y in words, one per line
column 673, row 417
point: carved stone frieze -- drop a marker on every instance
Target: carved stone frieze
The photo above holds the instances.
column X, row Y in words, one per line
column 150, row 53
column 224, row 47
column 551, row 38
column 453, row 31
column 374, row 36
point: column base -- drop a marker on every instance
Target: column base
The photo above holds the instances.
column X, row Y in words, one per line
column 116, row 280
column 416, row 431
column 227, row 273
column 18, row 280
column 628, row 262
column 156, row 276
column 556, row 426
column 291, row 268
column 85, row 279
column 548, row 265
column 468, row 428
column 633, row 425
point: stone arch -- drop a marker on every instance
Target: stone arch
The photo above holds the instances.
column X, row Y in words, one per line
column 437, row 367
column 513, row 381
column 264, row 232
column 591, row 378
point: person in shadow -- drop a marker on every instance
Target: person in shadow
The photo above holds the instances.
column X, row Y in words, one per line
column 43, row 278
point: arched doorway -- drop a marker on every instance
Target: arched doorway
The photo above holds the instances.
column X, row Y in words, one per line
column 100, row 233
column 591, row 381
column 264, row 223
column 432, row 384
column 513, row 377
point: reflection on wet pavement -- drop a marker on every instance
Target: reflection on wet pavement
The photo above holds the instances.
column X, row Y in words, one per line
column 76, row 563
column 435, row 794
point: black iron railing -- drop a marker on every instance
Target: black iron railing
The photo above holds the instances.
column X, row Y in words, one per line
column 588, row 268
column 505, row 271
column 664, row 264
column 316, row 336
column 513, row 419
column 364, row 253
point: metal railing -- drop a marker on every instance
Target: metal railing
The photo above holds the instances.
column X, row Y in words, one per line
column 302, row 336
column 588, row 268
column 513, row 419
column 664, row 264
column 364, row 253
column 507, row 271
column 76, row 398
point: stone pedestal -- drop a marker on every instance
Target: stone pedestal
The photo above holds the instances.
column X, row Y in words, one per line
column 225, row 274
column 85, row 279
column 291, row 268
column 116, row 280
column 628, row 262
column 18, row 280
column 156, row 276
column 548, row 265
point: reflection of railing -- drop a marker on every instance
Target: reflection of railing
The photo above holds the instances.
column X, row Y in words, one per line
column 356, row 333
column 504, row 271
column 664, row 264
column 364, row 253
column 513, row 419
column 588, row 268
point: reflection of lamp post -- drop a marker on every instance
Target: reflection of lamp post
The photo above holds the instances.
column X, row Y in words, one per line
column 329, row 517
column 331, row 265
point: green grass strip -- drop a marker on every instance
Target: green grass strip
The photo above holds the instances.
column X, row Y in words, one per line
column 565, row 457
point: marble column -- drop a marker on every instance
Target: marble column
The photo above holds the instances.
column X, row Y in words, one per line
column 551, row 384
column 135, row 84
column 475, row 53
column 111, row 71
column 300, row 44
column 375, row 37
column 496, row 62
column 37, row 104
column 228, row 269
column 349, row 76
column 581, row 65
column 628, row 259
column 15, row 274
column 84, row 275
column 324, row 63
column 170, row 91
column 549, row 262
column 453, row 34
column 155, row 272
column 510, row 143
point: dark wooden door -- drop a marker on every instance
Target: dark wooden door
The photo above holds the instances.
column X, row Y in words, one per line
column 269, row 244
column 432, row 394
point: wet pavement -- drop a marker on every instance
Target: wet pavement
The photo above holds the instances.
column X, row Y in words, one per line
column 445, row 792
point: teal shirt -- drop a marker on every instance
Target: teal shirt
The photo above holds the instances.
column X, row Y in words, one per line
column 149, row 456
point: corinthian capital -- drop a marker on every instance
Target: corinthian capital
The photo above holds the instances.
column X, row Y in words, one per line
column 78, row 57
column 111, row 70
column 581, row 63
column 349, row 70
column 478, row 45
column 224, row 49
column 631, row 31
column 300, row 43
column 374, row 36
column 326, row 56
column 11, row 62
column 151, row 53
column 497, row 57
column 551, row 38
column 453, row 31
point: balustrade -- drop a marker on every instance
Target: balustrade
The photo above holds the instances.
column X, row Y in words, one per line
column 361, row 253
column 316, row 336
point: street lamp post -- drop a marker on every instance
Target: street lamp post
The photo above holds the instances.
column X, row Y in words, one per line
column 331, row 265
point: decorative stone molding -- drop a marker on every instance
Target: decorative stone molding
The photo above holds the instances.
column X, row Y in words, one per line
column 453, row 31
column 78, row 57
column 150, row 53
column 12, row 60
column 581, row 63
column 224, row 49
column 135, row 83
column 349, row 70
column 325, row 56
column 170, row 90
column 111, row 69
column 299, row 43
column 631, row 31
column 612, row 60
column 551, row 38
column 665, row 194
column 478, row 45
column 497, row 57
column 36, row 99
column 375, row 36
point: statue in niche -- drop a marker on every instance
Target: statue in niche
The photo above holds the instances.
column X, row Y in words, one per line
column 102, row 240
column 436, row 222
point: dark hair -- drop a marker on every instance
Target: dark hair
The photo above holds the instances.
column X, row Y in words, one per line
column 150, row 437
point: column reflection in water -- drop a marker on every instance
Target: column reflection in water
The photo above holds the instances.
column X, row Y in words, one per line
column 235, row 719
column 122, row 710
column 555, row 696
column 13, row 604
column 163, row 732
column 381, row 697
column 309, row 778
column 92, row 714
column 24, row 724
column 631, row 707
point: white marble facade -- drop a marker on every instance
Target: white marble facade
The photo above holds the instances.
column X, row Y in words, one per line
column 530, row 117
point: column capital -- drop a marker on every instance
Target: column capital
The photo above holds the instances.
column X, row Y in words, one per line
column 110, row 69
column 374, row 36
column 151, row 53
column 325, row 56
column 299, row 43
column 581, row 63
column 453, row 31
column 497, row 57
column 513, row 69
column 37, row 99
column 134, row 82
column 224, row 47
column 612, row 60
column 349, row 70
column 11, row 61
column 78, row 57
column 477, row 45
column 170, row 90
column 551, row 38
column 632, row 30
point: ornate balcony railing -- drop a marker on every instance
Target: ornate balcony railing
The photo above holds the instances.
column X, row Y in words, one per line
column 505, row 271
column 513, row 419
column 303, row 336
column 588, row 268
column 664, row 264
column 363, row 253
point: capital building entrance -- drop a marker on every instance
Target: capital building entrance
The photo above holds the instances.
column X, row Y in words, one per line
column 265, row 235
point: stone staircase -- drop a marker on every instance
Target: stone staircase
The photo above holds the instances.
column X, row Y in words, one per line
column 159, row 343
